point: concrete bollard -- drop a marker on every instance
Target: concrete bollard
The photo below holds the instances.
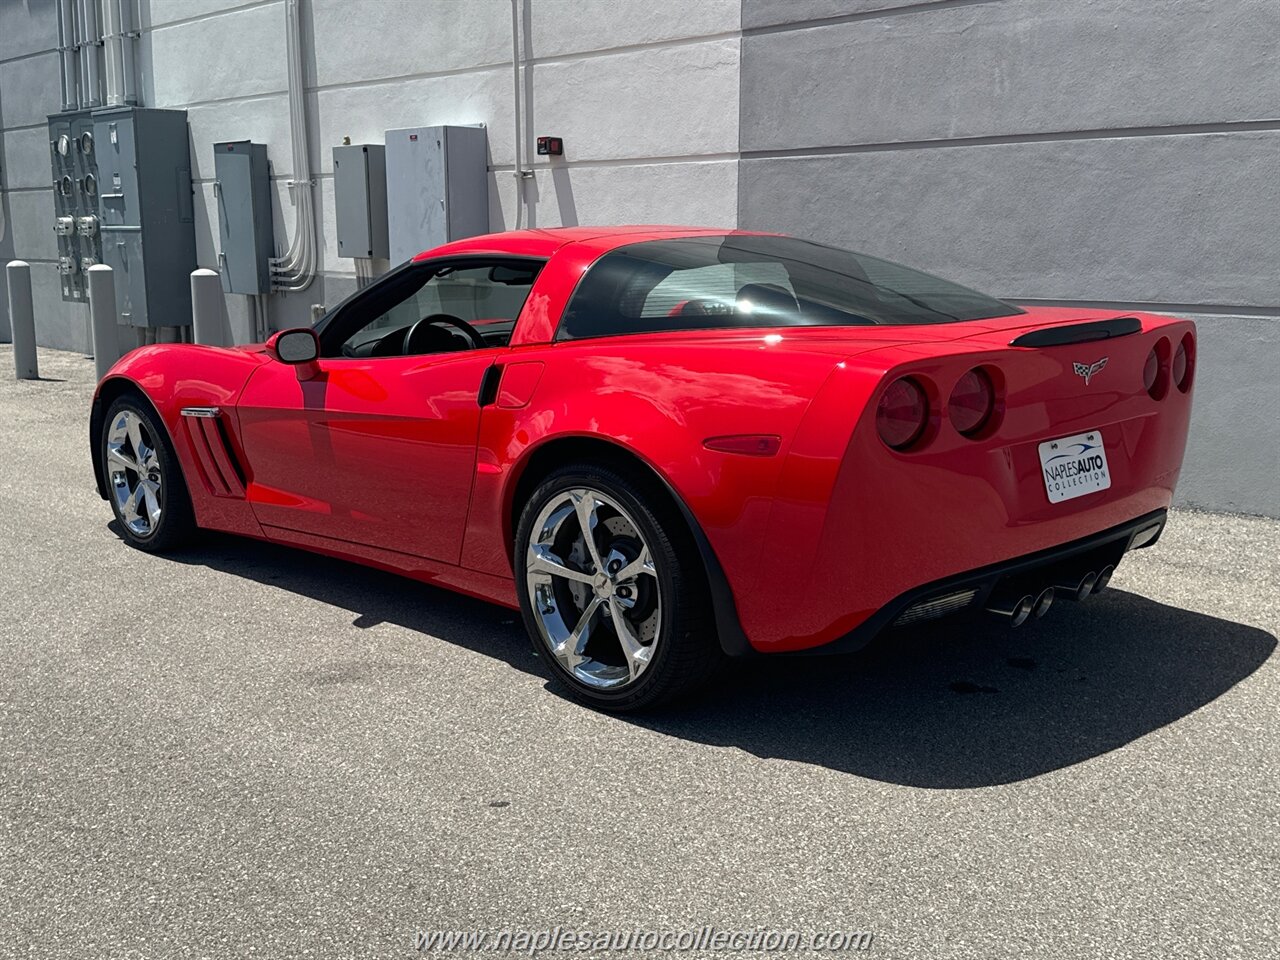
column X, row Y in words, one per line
column 102, row 314
column 207, row 307
column 22, row 320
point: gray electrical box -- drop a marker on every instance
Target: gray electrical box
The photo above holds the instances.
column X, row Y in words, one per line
column 437, row 187
column 242, row 190
column 360, row 200
column 75, row 200
column 145, row 211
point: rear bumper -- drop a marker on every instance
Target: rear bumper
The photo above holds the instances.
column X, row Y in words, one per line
column 1029, row 573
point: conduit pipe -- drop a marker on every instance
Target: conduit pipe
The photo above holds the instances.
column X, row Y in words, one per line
column 519, row 132
column 119, row 37
column 295, row 270
column 90, row 43
column 69, row 67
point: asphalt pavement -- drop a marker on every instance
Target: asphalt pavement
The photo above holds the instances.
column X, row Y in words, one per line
column 245, row 751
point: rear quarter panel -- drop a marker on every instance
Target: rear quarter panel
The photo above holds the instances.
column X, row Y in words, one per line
column 658, row 397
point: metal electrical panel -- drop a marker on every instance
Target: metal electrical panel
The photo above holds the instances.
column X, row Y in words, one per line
column 145, row 211
column 242, row 189
column 360, row 200
column 437, row 187
column 75, row 200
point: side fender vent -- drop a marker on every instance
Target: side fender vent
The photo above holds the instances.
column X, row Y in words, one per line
column 205, row 430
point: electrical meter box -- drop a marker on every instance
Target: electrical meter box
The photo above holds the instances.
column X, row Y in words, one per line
column 75, row 200
column 360, row 200
column 437, row 187
column 242, row 190
column 145, row 214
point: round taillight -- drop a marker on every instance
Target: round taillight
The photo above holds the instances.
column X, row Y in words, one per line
column 1155, row 373
column 1184, row 363
column 1151, row 372
column 902, row 414
column 972, row 402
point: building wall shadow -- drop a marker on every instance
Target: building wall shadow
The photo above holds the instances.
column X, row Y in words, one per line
column 954, row 705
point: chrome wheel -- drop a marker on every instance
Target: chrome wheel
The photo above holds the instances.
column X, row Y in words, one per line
column 133, row 472
column 594, row 589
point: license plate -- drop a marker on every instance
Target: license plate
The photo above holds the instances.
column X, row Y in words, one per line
column 1074, row 466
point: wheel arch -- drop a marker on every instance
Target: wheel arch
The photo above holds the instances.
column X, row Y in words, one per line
column 539, row 461
column 109, row 391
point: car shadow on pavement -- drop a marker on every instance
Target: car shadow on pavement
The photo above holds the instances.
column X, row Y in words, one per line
column 974, row 703
column 955, row 705
column 371, row 595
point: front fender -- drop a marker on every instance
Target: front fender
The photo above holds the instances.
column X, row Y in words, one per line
column 171, row 376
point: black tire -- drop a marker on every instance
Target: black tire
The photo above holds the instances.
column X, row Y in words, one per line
column 686, row 650
column 176, row 524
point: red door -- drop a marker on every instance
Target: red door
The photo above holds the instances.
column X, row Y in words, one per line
column 378, row 451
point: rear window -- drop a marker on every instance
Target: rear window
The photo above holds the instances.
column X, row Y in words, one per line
column 696, row 283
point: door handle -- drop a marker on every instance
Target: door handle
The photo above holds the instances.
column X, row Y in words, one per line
column 489, row 385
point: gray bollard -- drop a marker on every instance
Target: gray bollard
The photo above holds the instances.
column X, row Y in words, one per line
column 207, row 306
column 102, row 313
column 22, row 320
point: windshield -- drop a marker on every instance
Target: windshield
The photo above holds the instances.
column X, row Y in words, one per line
column 694, row 283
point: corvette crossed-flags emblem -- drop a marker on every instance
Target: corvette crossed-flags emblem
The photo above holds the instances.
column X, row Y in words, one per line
column 1088, row 370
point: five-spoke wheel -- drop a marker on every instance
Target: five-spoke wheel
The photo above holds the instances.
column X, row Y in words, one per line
column 144, row 482
column 596, row 595
column 610, row 591
column 133, row 473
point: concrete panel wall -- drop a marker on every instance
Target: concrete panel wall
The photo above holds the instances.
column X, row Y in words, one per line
column 1094, row 151
column 26, row 155
column 26, row 27
column 645, row 93
column 1177, row 219
column 1078, row 151
column 28, row 91
column 999, row 69
column 766, row 13
column 1231, row 461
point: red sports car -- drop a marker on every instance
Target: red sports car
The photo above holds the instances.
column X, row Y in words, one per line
column 668, row 445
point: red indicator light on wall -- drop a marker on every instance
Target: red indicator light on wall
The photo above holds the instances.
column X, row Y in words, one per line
column 550, row 147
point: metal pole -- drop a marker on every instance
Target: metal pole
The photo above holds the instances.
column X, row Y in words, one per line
column 102, row 311
column 206, row 308
column 22, row 319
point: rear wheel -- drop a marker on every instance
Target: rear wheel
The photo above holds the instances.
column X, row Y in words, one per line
column 612, row 591
column 144, row 482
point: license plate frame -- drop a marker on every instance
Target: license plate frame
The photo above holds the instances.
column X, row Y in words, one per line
column 1074, row 466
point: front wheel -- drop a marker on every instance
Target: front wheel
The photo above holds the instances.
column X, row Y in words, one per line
column 144, row 481
column 612, row 590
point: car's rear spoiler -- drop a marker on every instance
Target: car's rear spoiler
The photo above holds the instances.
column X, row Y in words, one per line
column 1079, row 333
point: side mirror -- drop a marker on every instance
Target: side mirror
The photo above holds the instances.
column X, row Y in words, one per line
column 299, row 347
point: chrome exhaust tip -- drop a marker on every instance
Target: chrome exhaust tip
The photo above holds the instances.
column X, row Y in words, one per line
column 1077, row 589
column 1104, row 577
column 1044, row 600
column 1017, row 610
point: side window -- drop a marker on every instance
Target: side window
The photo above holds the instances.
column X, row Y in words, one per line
column 448, row 308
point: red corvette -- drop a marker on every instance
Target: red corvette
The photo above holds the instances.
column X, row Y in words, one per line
column 665, row 445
